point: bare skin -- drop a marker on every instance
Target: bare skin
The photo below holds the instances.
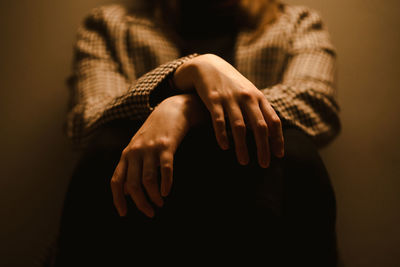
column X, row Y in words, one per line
column 229, row 98
column 154, row 146
column 227, row 93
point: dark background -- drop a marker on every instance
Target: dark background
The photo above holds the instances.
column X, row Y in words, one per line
column 36, row 160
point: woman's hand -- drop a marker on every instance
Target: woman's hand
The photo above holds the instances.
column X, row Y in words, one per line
column 228, row 94
column 154, row 146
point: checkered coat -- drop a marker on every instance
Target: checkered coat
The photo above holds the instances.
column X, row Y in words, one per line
column 121, row 58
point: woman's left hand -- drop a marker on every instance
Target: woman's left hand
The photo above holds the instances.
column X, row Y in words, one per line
column 228, row 94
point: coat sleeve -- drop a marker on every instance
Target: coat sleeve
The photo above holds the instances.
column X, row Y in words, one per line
column 103, row 86
column 306, row 97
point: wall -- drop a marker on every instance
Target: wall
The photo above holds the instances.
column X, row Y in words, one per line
column 364, row 161
column 36, row 160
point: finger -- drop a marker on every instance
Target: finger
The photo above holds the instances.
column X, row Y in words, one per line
column 117, row 185
column 260, row 131
column 149, row 179
column 126, row 190
column 239, row 132
column 218, row 119
column 166, row 166
column 275, row 128
column 134, row 187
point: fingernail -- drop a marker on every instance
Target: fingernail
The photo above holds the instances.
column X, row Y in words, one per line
column 244, row 160
column 224, row 144
column 121, row 213
column 264, row 164
column 160, row 203
column 164, row 192
column 151, row 214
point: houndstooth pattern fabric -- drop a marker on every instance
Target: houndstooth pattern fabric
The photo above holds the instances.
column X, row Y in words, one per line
column 120, row 59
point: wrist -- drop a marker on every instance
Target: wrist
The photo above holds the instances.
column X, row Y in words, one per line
column 191, row 73
column 190, row 106
column 185, row 75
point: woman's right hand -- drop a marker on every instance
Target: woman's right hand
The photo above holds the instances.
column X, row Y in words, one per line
column 153, row 146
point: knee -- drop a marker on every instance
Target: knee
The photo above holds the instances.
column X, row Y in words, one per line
column 302, row 158
column 306, row 178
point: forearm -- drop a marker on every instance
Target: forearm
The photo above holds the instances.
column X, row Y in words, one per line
column 307, row 105
column 185, row 75
column 191, row 106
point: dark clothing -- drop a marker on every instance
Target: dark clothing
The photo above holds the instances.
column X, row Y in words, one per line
column 218, row 212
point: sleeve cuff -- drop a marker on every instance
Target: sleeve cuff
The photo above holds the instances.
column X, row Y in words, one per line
column 154, row 80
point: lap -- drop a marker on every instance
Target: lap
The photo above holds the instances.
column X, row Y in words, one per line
column 212, row 195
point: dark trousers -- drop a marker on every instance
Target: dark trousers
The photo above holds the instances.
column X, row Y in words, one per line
column 218, row 212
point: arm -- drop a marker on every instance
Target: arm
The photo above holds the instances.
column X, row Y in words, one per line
column 154, row 145
column 104, row 86
column 306, row 97
column 232, row 99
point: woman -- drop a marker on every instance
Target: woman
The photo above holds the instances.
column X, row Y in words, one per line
column 164, row 102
